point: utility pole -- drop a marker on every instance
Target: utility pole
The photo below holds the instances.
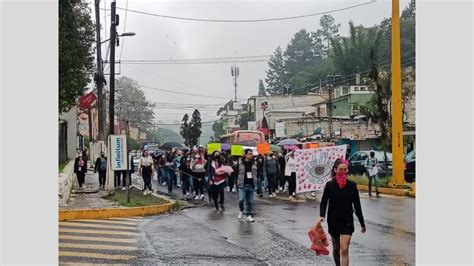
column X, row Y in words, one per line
column 89, row 114
column 99, row 77
column 234, row 70
column 129, row 177
column 397, row 126
column 113, row 34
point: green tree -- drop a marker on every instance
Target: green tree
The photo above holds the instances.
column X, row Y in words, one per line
column 218, row 129
column 133, row 105
column 276, row 76
column 328, row 31
column 299, row 54
column 195, row 128
column 352, row 54
column 409, row 11
column 261, row 89
column 185, row 129
column 76, row 39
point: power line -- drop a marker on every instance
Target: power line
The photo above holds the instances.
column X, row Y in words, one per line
column 178, row 81
column 197, row 59
column 263, row 60
column 182, row 93
column 249, row 20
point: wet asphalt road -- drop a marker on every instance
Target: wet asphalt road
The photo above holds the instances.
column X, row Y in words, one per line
column 202, row 235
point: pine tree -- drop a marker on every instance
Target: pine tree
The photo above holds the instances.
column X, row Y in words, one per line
column 261, row 89
column 185, row 129
column 194, row 128
column 276, row 76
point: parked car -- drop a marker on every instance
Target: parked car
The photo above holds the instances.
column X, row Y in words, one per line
column 410, row 167
column 358, row 163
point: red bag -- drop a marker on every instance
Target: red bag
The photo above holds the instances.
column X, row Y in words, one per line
column 319, row 240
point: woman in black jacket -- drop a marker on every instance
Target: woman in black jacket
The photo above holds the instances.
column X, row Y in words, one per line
column 80, row 168
column 343, row 198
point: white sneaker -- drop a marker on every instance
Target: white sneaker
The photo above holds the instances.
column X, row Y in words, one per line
column 274, row 194
column 313, row 194
column 294, row 194
column 271, row 196
column 124, row 188
column 250, row 219
column 240, row 215
column 144, row 193
column 228, row 189
column 202, row 196
column 187, row 194
column 150, row 192
column 179, row 185
column 164, row 184
column 196, row 198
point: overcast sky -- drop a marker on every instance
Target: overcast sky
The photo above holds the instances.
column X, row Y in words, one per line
column 164, row 39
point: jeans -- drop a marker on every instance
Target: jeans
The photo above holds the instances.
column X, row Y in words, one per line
column 161, row 174
column 246, row 193
column 375, row 178
column 187, row 183
column 260, row 180
column 169, row 178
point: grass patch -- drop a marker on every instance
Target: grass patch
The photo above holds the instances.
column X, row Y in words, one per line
column 137, row 199
column 61, row 166
column 382, row 181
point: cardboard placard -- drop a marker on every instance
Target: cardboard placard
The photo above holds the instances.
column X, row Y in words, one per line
column 263, row 148
column 237, row 150
column 212, row 147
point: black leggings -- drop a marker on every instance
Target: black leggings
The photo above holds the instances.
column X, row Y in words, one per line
column 217, row 191
column 232, row 180
column 146, row 174
column 198, row 182
column 282, row 180
column 272, row 183
column 102, row 175
column 81, row 176
column 292, row 183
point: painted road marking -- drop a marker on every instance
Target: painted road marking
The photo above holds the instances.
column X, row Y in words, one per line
column 94, row 255
column 99, row 232
column 95, row 246
column 73, row 224
column 105, row 222
column 98, row 239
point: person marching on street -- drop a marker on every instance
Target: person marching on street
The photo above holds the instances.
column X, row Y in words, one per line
column 272, row 170
column 372, row 172
column 216, row 180
column 234, row 163
column 343, row 198
column 260, row 174
column 246, row 184
column 128, row 176
column 145, row 169
column 282, row 164
column 199, row 171
column 101, row 167
column 80, row 168
column 186, row 174
column 290, row 173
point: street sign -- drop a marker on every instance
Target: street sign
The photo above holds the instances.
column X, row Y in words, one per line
column 86, row 101
column 118, row 152
column 280, row 129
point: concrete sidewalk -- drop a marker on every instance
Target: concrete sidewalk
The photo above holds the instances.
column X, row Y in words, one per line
column 91, row 197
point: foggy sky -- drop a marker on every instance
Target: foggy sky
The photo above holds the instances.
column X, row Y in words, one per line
column 161, row 38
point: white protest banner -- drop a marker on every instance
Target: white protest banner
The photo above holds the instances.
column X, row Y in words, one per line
column 118, row 153
column 254, row 150
column 280, row 129
column 314, row 166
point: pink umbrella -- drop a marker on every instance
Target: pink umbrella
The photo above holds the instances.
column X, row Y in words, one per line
column 291, row 147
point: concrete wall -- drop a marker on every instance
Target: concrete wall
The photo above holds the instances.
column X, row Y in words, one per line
column 71, row 120
column 66, row 179
column 348, row 129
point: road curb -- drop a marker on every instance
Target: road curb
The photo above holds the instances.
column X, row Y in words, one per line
column 389, row 191
column 65, row 215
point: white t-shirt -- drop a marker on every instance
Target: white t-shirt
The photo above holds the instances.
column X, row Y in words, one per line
column 290, row 166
